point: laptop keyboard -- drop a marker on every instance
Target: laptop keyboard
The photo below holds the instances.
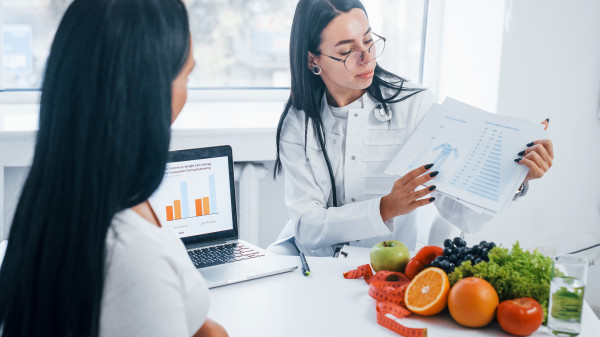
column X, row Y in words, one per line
column 230, row 252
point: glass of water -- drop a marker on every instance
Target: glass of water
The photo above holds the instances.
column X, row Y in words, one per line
column 569, row 275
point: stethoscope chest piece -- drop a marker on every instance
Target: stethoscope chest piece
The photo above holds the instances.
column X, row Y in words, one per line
column 381, row 115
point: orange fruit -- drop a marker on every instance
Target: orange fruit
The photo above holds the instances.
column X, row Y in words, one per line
column 472, row 302
column 427, row 293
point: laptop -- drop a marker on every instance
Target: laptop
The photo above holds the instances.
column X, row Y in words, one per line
column 196, row 199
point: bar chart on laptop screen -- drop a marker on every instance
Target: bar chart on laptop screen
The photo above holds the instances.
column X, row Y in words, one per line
column 194, row 197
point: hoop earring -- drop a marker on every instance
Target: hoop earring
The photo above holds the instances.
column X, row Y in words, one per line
column 316, row 69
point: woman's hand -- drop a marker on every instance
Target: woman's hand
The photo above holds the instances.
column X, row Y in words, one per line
column 538, row 157
column 404, row 198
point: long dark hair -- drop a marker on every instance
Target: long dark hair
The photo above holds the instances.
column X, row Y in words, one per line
column 102, row 145
column 310, row 19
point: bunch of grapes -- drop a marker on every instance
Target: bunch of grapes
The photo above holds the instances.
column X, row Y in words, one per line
column 456, row 252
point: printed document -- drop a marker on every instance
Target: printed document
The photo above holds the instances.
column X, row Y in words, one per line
column 473, row 150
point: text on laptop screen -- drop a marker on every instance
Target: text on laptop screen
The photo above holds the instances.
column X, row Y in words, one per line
column 194, row 197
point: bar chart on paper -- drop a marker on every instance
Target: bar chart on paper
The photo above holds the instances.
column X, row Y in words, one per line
column 194, row 197
column 474, row 152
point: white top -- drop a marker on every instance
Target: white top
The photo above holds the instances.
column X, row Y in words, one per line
column 340, row 128
column 151, row 286
column 370, row 145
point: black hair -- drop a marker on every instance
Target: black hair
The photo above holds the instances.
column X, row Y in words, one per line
column 307, row 90
column 101, row 147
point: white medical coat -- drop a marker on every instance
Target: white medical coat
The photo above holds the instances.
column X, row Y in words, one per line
column 371, row 144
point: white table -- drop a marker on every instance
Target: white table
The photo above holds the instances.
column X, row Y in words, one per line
column 326, row 304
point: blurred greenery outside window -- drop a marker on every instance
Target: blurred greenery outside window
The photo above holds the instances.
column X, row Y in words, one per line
column 237, row 43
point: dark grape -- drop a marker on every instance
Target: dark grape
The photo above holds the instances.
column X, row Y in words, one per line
column 484, row 252
column 451, row 266
column 435, row 263
column 448, row 251
column 453, row 258
column 448, row 243
column 477, row 260
column 459, row 242
column 461, row 251
column 491, row 245
column 475, row 250
column 445, row 264
column 483, row 243
column 469, row 257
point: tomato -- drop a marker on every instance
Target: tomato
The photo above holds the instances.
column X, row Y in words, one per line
column 423, row 258
column 521, row 316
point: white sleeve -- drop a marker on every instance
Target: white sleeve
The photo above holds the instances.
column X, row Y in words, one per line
column 315, row 224
column 144, row 297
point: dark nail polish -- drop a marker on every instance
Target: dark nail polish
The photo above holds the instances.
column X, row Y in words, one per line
column 431, row 199
column 428, row 166
column 530, row 144
column 548, row 120
column 521, row 153
column 432, row 187
column 433, row 174
column 517, row 160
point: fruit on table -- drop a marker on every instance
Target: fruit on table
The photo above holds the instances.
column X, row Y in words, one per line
column 390, row 255
column 521, row 316
column 456, row 252
column 421, row 260
column 472, row 302
column 427, row 293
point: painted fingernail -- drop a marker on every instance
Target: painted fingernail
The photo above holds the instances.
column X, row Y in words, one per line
column 431, row 199
column 521, row 153
column 518, row 160
column 530, row 144
column 428, row 166
column 432, row 187
column 433, row 174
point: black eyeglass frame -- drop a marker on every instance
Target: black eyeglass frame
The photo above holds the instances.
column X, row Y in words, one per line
column 368, row 50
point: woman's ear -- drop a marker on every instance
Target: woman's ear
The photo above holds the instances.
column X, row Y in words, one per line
column 311, row 60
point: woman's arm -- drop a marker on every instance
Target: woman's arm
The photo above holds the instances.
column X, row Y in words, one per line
column 211, row 328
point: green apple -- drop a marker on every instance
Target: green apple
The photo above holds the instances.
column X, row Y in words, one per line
column 390, row 255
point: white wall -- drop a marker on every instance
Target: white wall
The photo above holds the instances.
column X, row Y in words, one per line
column 550, row 67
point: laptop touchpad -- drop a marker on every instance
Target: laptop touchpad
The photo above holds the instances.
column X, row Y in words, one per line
column 226, row 272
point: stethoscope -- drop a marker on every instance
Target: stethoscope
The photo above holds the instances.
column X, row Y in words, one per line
column 382, row 115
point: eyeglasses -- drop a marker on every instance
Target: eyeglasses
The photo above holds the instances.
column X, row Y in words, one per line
column 355, row 59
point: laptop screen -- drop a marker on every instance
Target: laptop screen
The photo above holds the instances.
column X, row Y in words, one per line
column 196, row 198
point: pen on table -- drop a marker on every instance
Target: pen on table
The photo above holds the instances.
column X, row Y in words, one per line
column 305, row 269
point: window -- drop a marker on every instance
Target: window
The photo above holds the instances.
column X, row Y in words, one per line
column 237, row 43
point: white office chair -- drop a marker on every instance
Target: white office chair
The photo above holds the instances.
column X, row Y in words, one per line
column 440, row 230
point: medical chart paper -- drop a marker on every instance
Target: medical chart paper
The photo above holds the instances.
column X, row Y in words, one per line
column 474, row 152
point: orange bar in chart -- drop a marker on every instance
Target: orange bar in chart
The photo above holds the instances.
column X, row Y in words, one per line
column 206, row 206
column 177, row 204
column 169, row 213
column 198, row 207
